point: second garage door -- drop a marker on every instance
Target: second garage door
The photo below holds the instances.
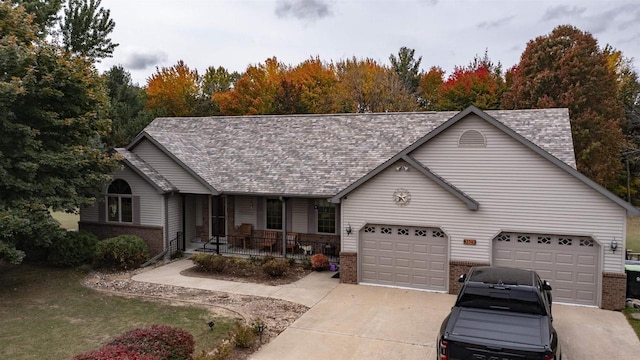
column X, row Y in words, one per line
column 570, row 263
column 404, row 256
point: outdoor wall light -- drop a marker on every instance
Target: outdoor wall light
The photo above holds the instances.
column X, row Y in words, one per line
column 614, row 245
column 348, row 229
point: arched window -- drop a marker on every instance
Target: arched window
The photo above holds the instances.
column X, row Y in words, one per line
column 472, row 138
column 119, row 202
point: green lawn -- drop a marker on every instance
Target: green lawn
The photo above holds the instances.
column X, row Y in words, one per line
column 633, row 233
column 47, row 314
column 67, row 221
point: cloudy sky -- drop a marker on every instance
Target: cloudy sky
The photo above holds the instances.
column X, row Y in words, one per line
column 446, row 33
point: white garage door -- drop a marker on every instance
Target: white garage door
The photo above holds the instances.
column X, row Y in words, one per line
column 404, row 256
column 570, row 263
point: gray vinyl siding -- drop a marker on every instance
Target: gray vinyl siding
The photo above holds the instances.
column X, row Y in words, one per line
column 299, row 215
column 518, row 191
column 175, row 215
column 90, row 213
column 245, row 210
column 175, row 173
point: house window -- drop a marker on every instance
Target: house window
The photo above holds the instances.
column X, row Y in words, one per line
column 274, row 214
column 119, row 202
column 326, row 217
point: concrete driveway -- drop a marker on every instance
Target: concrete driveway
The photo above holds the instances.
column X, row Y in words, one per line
column 367, row 322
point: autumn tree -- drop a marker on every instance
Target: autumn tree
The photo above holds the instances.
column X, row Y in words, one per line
column 429, row 88
column 52, row 121
column 126, row 107
column 318, row 85
column 174, row 91
column 407, row 67
column 367, row 86
column 567, row 68
column 479, row 84
column 255, row 92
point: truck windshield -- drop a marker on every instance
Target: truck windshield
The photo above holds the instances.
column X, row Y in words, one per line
column 505, row 301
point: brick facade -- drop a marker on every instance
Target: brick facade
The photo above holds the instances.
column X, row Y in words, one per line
column 152, row 235
column 457, row 268
column 348, row 267
column 614, row 286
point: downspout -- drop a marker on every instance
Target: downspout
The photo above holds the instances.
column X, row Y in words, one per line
column 184, row 218
column 284, row 225
column 167, row 245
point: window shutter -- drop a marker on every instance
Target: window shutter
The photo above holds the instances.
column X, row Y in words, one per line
column 102, row 210
column 136, row 210
column 261, row 216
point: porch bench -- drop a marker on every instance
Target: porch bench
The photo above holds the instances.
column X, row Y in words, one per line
column 269, row 240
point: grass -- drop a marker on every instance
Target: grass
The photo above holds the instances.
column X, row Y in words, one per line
column 67, row 221
column 47, row 314
column 635, row 323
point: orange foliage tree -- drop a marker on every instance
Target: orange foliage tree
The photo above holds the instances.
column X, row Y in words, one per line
column 174, row 91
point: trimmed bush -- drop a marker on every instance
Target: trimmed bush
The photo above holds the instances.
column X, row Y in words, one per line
column 113, row 353
column 244, row 335
column 319, row 262
column 74, row 248
column 276, row 267
column 210, row 262
column 162, row 342
column 122, row 252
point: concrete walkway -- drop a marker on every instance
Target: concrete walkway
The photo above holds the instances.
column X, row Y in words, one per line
column 307, row 291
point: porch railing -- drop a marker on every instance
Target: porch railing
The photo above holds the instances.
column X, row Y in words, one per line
column 174, row 244
column 261, row 246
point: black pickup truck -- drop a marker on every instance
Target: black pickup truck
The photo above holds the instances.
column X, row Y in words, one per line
column 500, row 314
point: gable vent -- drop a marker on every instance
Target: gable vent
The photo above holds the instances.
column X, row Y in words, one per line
column 472, row 138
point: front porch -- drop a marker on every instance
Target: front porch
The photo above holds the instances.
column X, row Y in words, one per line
column 238, row 245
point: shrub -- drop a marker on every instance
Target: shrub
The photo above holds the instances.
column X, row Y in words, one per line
column 113, row 353
column 210, row 262
column 306, row 263
column 244, row 335
column 74, row 248
column 291, row 262
column 124, row 251
column 319, row 262
column 275, row 267
column 162, row 342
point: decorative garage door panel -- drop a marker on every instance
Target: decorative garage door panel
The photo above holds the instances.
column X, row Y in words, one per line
column 569, row 263
column 404, row 256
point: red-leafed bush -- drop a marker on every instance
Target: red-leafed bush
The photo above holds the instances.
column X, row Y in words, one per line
column 113, row 353
column 161, row 341
column 158, row 342
column 319, row 262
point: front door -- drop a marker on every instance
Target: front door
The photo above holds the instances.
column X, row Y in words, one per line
column 218, row 211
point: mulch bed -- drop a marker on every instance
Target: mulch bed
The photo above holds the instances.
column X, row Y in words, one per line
column 250, row 274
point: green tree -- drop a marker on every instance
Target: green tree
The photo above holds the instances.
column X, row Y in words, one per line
column 407, row 68
column 45, row 12
column 85, row 29
column 126, row 107
column 567, row 68
column 218, row 80
column 52, row 120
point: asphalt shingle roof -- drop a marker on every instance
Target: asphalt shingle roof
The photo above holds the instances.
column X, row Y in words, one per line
column 160, row 182
column 319, row 155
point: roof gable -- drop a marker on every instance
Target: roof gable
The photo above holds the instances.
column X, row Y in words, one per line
column 405, row 154
column 144, row 170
